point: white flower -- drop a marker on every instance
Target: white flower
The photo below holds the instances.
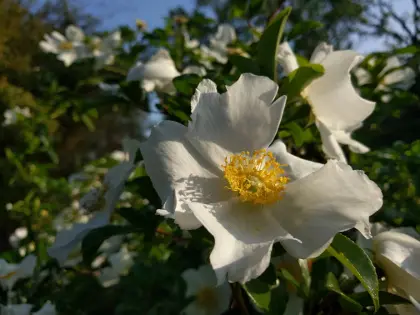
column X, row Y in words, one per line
column 104, row 200
column 190, row 43
column 398, row 254
column 11, row 273
column 46, row 309
column 338, row 108
column 120, row 262
column 104, row 50
column 391, row 74
column 11, row 115
column 272, row 195
column 156, row 74
column 218, row 44
column 209, row 298
column 69, row 48
column 112, row 89
column 16, row 309
column 18, row 235
column 195, row 70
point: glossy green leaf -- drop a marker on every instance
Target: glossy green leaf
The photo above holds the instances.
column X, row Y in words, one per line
column 269, row 43
column 303, row 27
column 244, row 64
column 187, row 83
column 358, row 262
column 346, row 302
column 385, row 298
column 269, row 300
column 299, row 79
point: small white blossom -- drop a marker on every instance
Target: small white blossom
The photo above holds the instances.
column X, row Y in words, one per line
column 104, row 49
column 11, row 115
column 69, row 48
column 120, row 262
column 210, row 299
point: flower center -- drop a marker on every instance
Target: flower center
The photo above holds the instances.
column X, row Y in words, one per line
column 256, row 178
column 66, row 45
column 206, row 298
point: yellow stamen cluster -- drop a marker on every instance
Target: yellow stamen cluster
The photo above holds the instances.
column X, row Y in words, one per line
column 257, row 178
column 206, row 298
column 66, row 45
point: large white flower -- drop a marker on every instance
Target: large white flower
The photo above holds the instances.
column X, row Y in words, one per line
column 11, row 273
column 104, row 49
column 398, row 254
column 46, row 309
column 156, row 74
column 338, row 108
column 16, row 309
column 210, row 299
column 103, row 200
column 69, row 48
column 221, row 173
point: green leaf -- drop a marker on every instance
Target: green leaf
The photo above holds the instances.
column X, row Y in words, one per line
column 358, row 262
column 346, row 302
column 244, row 65
column 269, row 43
column 271, row 301
column 385, row 298
column 302, row 28
column 297, row 80
column 412, row 49
column 96, row 237
column 187, row 83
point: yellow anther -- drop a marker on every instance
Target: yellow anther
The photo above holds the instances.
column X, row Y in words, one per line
column 257, row 178
column 66, row 45
column 206, row 297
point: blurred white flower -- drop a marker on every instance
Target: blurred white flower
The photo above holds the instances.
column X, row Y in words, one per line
column 46, row 309
column 18, row 235
column 69, row 48
column 338, row 108
column 103, row 201
column 201, row 71
column 16, row 309
column 156, row 74
column 219, row 42
column 11, row 115
column 104, row 49
column 120, row 263
column 210, row 299
column 271, row 195
column 11, row 273
column 112, row 89
column 190, row 43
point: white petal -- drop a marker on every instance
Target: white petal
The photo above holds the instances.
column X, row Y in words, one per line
column 399, row 255
column 136, row 72
column 67, row 240
column 330, row 145
column 242, row 119
column 112, row 41
column 354, row 145
column 173, row 164
column 201, row 71
column 294, row 305
column 160, row 66
column 74, row 33
column 197, row 279
column 316, row 207
column 243, row 238
column 46, row 309
column 58, row 37
column 225, row 34
column 16, row 309
column 294, row 166
column 321, row 52
column 287, row 58
column 194, row 309
column 67, row 57
column 205, row 86
column 333, row 98
column 48, row 47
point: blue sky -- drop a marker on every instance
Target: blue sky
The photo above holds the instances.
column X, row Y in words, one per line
column 125, row 12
